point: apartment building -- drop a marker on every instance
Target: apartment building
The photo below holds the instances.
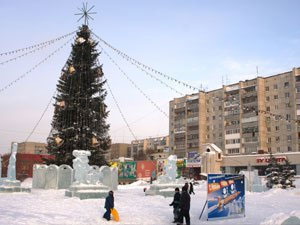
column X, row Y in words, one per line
column 252, row 116
column 151, row 148
column 118, row 150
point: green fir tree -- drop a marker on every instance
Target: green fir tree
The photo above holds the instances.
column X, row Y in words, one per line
column 273, row 172
column 79, row 121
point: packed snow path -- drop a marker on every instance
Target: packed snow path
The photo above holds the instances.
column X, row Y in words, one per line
column 52, row 207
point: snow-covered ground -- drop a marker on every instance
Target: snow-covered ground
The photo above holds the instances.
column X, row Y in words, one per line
column 52, row 207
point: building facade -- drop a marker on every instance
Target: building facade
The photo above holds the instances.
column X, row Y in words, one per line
column 118, row 150
column 150, row 148
column 253, row 116
column 32, row 148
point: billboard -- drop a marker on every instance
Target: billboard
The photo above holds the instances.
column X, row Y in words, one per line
column 193, row 159
column 225, row 196
column 161, row 163
column 146, row 169
column 127, row 170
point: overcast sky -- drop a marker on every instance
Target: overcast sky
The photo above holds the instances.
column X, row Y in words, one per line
column 195, row 41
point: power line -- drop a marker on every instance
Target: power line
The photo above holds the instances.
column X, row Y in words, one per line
column 34, row 67
column 38, row 122
column 36, row 45
column 117, row 104
column 134, row 84
column 128, row 58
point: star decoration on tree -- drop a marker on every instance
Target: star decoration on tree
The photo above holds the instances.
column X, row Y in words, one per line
column 85, row 13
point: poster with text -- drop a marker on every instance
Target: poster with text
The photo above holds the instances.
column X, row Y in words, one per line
column 225, row 196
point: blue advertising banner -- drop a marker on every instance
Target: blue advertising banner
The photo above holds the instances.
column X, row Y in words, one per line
column 193, row 159
column 225, row 196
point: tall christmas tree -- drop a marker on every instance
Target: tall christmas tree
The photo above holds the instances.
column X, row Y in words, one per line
column 79, row 121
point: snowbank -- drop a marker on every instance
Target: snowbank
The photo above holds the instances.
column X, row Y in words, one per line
column 279, row 218
column 52, row 207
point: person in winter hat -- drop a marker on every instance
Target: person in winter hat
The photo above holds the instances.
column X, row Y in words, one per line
column 175, row 205
column 109, row 204
column 184, row 205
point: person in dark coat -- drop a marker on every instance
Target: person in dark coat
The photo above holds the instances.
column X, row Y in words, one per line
column 186, row 185
column 184, row 205
column 109, row 204
column 191, row 189
column 175, row 205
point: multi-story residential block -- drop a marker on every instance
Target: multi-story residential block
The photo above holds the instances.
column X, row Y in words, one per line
column 252, row 116
column 151, row 148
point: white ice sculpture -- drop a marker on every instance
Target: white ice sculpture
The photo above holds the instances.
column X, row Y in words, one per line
column 93, row 176
column 109, row 177
column 81, row 166
column 171, row 171
column 39, row 176
column 11, row 171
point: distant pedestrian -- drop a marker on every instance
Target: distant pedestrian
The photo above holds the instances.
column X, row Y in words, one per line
column 175, row 205
column 184, row 205
column 109, row 205
column 186, row 185
column 191, row 189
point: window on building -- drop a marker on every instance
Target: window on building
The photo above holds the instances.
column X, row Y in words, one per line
column 220, row 107
column 275, row 86
column 288, row 116
column 297, row 78
column 289, row 137
column 268, row 108
column 286, row 84
column 269, row 140
column 213, row 117
column 233, row 151
column 275, row 96
column 278, row 149
column 220, row 134
column 289, row 148
column 297, row 89
column 287, row 95
column 269, row 129
column 276, row 128
column 269, row 149
column 277, row 139
column 276, row 107
column 267, row 88
column 268, row 98
column 289, row 127
column 287, row 105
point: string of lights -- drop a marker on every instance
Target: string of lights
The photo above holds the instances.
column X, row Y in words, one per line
column 35, row 66
column 36, row 45
column 128, row 58
column 133, row 83
column 41, row 117
column 154, row 77
column 120, row 111
column 32, row 51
